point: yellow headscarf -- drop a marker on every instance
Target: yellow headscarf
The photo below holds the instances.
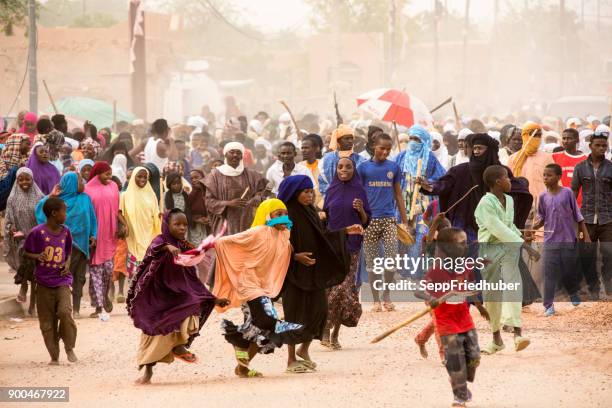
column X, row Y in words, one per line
column 343, row 130
column 530, row 146
column 140, row 208
column 265, row 209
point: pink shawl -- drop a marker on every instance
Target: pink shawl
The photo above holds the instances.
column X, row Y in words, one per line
column 29, row 117
column 105, row 200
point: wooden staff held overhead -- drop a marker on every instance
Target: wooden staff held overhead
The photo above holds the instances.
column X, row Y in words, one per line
column 297, row 129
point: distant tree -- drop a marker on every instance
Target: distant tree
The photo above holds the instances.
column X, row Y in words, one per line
column 353, row 15
column 12, row 13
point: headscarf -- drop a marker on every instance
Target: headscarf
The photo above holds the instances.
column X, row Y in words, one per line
column 442, row 152
column 29, row 117
column 339, row 206
column 105, row 200
column 85, row 162
column 80, row 215
column 154, row 179
column 308, row 235
column 169, row 199
column 416, row 151
column 140, row 208
column 21, row 205
column 90, row 142
column 339, row 133
column 530, row 146
column 99, row 168
column 225, row 168
column 11, row 154
column 119, row 167
column 291, row 185
column 46, row 175
column 260, row 141
column 266, row 208
column 584, row 144
column 479, row 164
column 54, row 140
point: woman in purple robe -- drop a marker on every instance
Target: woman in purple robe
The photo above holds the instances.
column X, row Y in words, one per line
column 46, row 175
column 168, row 302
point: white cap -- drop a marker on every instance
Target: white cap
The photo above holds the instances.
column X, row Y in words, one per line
column 572, row 121
column 197, row 122
column 449, row 127
column 138, row 122
column 494, row 134
column 463, row 133
column 602, row 129
column 285, row 117
column 256, row 126
column 592, row 119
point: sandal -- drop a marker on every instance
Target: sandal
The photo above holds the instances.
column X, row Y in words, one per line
column 309, row 364
column 186, row 357
column 377, row 307
column 521, row 343
column 94, row 315
column 248, row 374
column 492, row 348
column 389, row 306
column 336, row 346
column 327, row 344
column 296, row 368
column 120, row 299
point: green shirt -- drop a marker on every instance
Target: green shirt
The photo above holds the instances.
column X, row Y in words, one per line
column 496, row 223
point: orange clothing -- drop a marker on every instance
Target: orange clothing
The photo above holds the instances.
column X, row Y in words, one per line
column 251, row 264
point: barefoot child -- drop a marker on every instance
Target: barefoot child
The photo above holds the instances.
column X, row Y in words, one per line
column 453, row 320
column 251, row 269
column 167, row 301
column 558, row 212
column 500, row 242
column 50, row 244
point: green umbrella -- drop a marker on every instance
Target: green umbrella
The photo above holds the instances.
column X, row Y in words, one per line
column 98, row 112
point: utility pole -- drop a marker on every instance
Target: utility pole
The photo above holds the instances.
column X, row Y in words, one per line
column 436, row 25
column 391, row 49
column 32, row 69
column 562, row 45
column 336, row 45
column 138, row 68
column 466, row 27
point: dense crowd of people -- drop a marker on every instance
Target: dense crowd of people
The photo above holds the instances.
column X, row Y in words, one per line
column 299, row 213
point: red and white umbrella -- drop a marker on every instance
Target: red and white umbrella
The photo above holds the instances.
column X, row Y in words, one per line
column 393, row 105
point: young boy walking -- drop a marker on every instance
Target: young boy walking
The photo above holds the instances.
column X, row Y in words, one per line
column 500, row 242
column 381, row 180
column 453, row 320
column 50, row 245
column 558, row 212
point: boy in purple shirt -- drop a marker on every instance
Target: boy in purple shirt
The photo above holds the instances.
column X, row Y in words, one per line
column 558, row 213
column 49, row 245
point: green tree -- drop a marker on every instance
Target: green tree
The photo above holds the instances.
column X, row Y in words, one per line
column 12, row 13
column 353, row 15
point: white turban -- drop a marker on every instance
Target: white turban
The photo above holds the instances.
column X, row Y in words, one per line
column 197, row 122
column 464, row 133
column 256, row 126
column 233, row 146
column 263, row 142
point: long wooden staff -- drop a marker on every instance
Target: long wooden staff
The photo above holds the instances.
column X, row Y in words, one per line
column 420, row 314
column 297, row 129
column 457, row 118
column 449, row 100
column 417, row 187
column 50, row 97
column 246, row 190
column 396, row 135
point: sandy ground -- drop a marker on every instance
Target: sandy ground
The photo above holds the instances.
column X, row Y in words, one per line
column 569, row 364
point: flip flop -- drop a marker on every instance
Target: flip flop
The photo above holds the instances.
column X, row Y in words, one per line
column 521, row 343
column 296, row 368
column 248, row 374
column 326, row 343
column 336, row 346
column 492, row 348
column 184, row 357
column 309, row 364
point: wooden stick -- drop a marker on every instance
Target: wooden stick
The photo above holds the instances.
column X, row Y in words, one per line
column 297, row 129
column 420, row 314
column 417, row 187
column 246, row 190
column 50, row 97
column 449, row 100
column 457, row 118
column 399, row 149
column 461, row 199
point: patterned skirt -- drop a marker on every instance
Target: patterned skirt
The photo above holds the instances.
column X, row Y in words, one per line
column 343, row 299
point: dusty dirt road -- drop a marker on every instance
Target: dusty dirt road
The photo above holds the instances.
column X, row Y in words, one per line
column 569, row 364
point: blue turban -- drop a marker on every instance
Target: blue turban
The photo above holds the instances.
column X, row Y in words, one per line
column 292, row 185
column 416, row 150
